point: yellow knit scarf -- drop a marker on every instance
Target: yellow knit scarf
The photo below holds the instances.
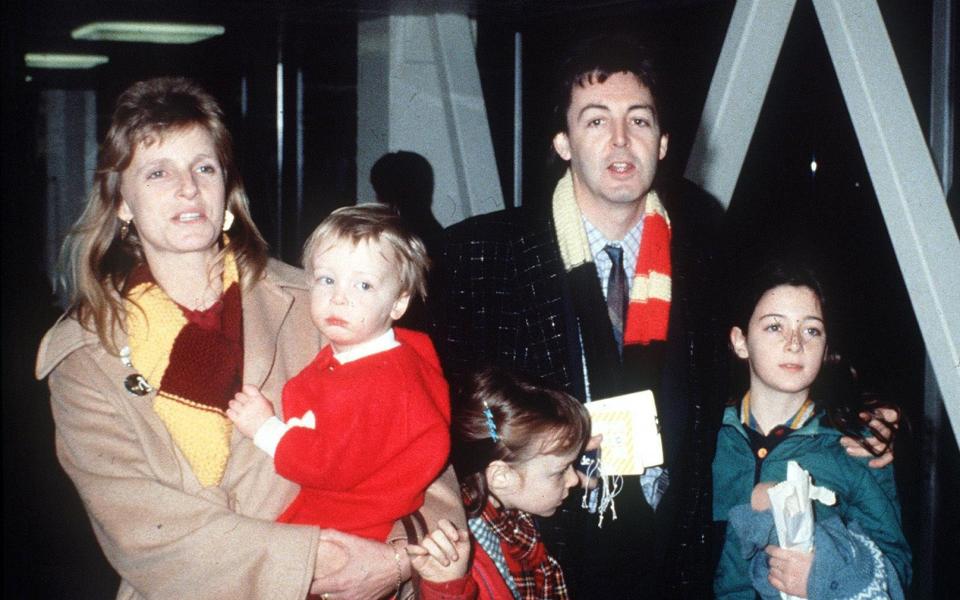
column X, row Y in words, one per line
column 168, row 354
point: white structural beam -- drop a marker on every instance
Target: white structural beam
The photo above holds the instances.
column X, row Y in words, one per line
column 739, row 85
column 910, row 196
column 419, row 90
column 906, row 183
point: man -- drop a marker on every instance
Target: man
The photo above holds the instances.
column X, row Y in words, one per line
column 611, row 288
column 528, row 289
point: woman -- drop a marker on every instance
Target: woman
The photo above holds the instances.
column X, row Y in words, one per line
column 174, row 306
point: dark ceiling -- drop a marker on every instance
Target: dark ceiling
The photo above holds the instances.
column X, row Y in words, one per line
column 45, row 25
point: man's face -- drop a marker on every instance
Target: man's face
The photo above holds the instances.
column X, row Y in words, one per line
column 613, row 141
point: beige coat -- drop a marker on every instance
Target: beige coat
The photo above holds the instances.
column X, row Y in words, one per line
column 165, row 534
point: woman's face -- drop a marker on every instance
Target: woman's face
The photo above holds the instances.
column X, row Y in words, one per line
column 174, row 191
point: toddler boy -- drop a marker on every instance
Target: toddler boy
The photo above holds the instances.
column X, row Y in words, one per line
column 367, row 426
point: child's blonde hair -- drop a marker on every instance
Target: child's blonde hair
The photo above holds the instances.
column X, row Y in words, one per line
column 525, row 419
column 374, row 223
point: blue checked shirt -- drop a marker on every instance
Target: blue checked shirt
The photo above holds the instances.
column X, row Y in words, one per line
column 631, row 248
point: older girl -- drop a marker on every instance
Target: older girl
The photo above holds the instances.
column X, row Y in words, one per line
column 795, row 410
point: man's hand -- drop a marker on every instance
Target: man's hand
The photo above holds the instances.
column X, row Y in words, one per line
column 588, row 483
column 443, row 555
column 350, row 567
column 884, row 421
column 249, row 409
column 789, row 570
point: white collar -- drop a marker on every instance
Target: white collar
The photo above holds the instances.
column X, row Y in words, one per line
column 385, row 342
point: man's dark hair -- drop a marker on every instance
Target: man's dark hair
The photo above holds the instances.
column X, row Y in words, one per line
column 595, row 59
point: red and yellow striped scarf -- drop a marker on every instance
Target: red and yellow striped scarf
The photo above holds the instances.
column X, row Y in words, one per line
column 649, row 309
column 195, row 368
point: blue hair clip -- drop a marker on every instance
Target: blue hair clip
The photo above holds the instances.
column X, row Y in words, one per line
column 490, row 424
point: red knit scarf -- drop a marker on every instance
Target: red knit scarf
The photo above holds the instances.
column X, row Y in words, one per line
column 649, row 309
column 537, row 574
column 194, row 359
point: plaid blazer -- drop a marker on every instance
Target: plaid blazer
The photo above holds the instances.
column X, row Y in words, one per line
column 502, row 298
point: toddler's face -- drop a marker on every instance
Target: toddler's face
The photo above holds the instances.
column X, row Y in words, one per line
column 356, row 292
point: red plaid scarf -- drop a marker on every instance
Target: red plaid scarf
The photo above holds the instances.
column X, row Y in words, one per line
column 536, row 573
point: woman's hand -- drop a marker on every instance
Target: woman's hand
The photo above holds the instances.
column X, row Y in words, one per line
column 884, row 421
column 249, row 409
column 789, row 570
column 351, row 567
column 443, row 555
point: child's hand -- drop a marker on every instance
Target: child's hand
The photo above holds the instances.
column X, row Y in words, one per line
column 789, row 570
column 249, row 409
column 759, row 499
column 443, row 555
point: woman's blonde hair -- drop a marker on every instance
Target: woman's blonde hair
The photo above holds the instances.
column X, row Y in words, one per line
column 374, row 223
column 95, row 259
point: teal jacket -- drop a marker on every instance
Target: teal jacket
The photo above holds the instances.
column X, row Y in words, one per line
column 865, row 496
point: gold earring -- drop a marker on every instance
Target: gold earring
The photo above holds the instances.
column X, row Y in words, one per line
column 227, row 220
column 125, row 229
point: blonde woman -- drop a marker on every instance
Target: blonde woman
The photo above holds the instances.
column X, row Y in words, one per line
column 175, row 305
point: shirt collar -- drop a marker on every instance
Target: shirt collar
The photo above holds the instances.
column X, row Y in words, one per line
column 385, row 342
column 630, row 244
column 795, row 422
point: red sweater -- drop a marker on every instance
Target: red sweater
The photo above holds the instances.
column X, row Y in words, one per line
column 382, row 437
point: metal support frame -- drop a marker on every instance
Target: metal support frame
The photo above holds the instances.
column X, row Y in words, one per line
column 941, row 138
column 909, row 193
column 419, row 90
column 907, row 186
column 740, row 82
column 71, row 160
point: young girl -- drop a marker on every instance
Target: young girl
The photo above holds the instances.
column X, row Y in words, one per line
column 514, row 446
column 796, row 408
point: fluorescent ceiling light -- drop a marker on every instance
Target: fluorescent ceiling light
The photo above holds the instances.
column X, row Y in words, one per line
column 154, row 33
column 63, row 61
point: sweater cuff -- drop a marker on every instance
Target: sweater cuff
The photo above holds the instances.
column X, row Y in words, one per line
column 458, row 588
column 269, row 434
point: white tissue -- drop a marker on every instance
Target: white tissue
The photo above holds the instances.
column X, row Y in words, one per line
column 792, row 508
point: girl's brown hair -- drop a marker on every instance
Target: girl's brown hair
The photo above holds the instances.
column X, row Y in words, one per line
column 95, row 261
column 525, row 419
